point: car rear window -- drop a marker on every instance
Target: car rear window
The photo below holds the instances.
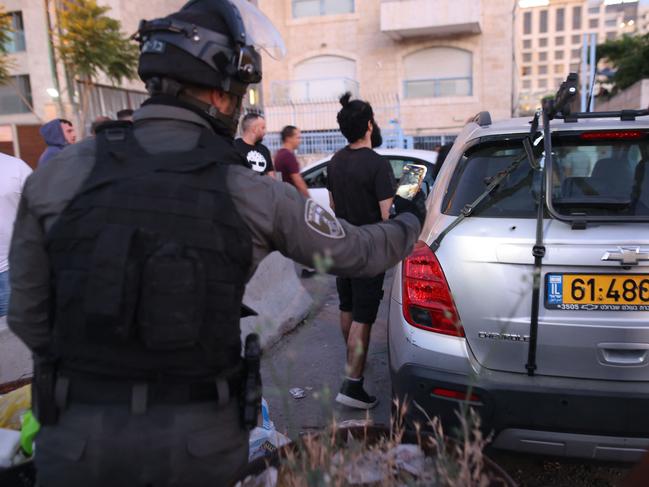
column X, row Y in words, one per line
column 594, row 174
column 601, row 174
column 512, row 199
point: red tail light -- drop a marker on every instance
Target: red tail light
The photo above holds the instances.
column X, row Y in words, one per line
column 427, row 300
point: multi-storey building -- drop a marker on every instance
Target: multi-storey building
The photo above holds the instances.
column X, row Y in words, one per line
column 426, row 66
column 549, row 39
column 39, row 89
column 643, row 14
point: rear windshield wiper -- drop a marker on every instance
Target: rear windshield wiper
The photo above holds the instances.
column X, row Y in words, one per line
column 493, row 183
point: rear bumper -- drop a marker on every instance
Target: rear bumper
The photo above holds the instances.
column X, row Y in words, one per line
column 569, row 417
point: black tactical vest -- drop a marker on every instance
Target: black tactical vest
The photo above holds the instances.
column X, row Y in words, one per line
column 149, row 262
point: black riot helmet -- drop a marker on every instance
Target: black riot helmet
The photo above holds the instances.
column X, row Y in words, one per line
column 210, row 44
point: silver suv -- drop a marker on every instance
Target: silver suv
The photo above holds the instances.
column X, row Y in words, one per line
column 460, row 316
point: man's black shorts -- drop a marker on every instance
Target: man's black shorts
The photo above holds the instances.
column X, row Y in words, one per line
column 361, row 297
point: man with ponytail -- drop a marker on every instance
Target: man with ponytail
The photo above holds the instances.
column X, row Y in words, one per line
column 361, row 189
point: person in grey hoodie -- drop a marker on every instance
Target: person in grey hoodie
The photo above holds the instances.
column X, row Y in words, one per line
column 57, row 134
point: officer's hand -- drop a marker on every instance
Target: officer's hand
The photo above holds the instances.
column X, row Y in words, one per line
column 417, row 206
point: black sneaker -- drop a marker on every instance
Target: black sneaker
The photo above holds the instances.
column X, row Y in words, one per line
column 353, row 395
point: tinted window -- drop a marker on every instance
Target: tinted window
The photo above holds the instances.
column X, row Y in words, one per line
column 512, row 199
column 597, row 177
column 602, row 176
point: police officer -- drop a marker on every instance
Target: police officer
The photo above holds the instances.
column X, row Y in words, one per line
column 130, row 257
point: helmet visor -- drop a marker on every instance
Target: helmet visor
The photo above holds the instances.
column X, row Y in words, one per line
column 260, row 31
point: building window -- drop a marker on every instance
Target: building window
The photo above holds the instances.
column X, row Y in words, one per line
column 611, row 36
column 574, row 68
column 543, row 69
column 557, row 82
column 611, row 23
column 314, row 8
column 576, row 39
column 558, row 55
column 575, row 54
column 542, row 84
column 559, row 69
column 438, row 72
column 576, row 18
column 543, row 21
column 526, row 70
column 527, row 44
column 593, row 23
column 560, row 19
column 543, row 42
column 593, row 10
column 558, row 41
column 527, row 23
column 527, row 84
column 317, row 79
column 10, row 101
column 527, row 57
column 543, row 56
column 17, row 35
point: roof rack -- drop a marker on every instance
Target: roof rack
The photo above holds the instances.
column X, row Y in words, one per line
column 483, row 119
column 624, row 115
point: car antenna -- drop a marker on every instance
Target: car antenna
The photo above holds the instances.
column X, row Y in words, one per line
column 551, row 106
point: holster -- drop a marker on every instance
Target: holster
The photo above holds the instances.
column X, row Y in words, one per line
column 250, row 402
column 43, row 391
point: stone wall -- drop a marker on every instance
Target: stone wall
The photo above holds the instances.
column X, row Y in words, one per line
column 634, row 97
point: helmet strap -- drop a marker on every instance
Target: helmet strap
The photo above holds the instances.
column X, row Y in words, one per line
column 170, row 87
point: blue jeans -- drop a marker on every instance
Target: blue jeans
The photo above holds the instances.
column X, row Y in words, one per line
column 4, row 293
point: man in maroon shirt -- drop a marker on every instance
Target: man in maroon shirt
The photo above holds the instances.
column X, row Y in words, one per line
column 286, row 162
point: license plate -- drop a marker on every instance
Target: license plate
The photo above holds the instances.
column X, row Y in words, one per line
column 597, row 292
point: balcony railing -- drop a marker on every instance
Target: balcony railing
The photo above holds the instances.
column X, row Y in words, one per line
column 415, row 18
column 438, row 87
column 311, row 90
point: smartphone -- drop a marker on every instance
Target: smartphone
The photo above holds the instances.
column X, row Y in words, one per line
column 411, row 180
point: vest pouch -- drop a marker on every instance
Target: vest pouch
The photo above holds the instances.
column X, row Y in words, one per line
column 172, row 298
column 112, row 286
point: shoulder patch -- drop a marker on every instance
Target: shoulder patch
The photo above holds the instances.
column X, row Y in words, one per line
column 322, row 221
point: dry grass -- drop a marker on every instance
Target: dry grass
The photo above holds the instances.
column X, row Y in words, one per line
column 338, row 458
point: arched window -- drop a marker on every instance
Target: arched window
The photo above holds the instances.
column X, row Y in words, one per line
column 323, row 78
column 438, row 72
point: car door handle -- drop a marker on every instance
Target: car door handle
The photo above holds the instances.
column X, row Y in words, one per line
column 623, row 354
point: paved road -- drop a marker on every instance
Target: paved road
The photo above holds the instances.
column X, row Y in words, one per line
column 312, row 358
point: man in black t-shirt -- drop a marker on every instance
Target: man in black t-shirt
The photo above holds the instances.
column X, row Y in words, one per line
column 361, row 189
column 253, row 130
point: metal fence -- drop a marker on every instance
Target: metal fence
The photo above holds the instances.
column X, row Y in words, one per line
column 319, row 127
column 429, row 142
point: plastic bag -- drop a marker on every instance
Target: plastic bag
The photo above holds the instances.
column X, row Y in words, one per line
column 13, row 405
column 265, row 439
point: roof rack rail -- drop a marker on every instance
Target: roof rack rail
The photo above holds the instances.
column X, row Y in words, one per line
column 624, row 115
column 482, row 118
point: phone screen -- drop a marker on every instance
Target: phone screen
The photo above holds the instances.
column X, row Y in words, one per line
column 411, row 180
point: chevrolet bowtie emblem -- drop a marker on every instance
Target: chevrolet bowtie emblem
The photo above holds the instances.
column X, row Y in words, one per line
column 627, row 255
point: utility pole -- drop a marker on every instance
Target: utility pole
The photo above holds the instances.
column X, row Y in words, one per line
column 52, row 58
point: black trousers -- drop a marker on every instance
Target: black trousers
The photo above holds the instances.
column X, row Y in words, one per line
column 194, row 444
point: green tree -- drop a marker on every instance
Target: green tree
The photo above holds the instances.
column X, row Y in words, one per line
column 5, row 39
column 629, row 56
column 91, row 43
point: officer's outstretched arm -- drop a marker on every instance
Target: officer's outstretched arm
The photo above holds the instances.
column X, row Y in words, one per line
column 282, row 219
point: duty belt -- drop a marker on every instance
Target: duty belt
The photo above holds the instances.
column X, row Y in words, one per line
column 93, row 390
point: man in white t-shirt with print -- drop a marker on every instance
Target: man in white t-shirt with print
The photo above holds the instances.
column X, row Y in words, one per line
column 13, row 173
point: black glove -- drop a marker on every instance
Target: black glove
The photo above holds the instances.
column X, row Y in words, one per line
column 417, row 206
